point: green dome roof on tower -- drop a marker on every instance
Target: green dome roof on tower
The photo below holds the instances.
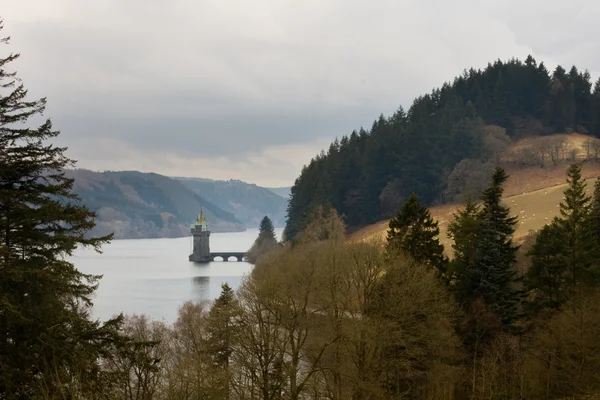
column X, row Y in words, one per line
column 201, row 221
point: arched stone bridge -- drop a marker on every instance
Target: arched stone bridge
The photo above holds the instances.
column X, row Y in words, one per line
column 225, row 256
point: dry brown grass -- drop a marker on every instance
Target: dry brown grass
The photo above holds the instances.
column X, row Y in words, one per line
column 575, row 141
column 526, row 180
column 534, row 209
column 532, row 193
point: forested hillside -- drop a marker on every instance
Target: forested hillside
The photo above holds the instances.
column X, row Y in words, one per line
column 281, row 191
column 369, row 174
column 143, row 205
column 248, row 202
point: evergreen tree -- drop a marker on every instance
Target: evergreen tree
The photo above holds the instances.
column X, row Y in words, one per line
column 594, row 217
column 595, row 112
column 463, row 231
column 581, row 252
column 565, row 253
column 546, row 277
column 414, row 232
column 266, row 231
column 47, row 339
column 265, row 241
column 494, row 215
column 223, row 325
column 492, row 275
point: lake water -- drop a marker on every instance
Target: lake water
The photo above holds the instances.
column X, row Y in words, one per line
column 154, row 276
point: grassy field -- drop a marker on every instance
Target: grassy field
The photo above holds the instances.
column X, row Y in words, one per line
column 533, row 194
column 534, row 210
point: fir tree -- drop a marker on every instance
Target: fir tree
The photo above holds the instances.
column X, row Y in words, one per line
column 565, row 253
column 594, row 217
column 265, row 241
column 47, row 338
column 223, row 325
column 546, row 277
column 492, row 275
column 595, row 113
column 581, row 251
column 493, row 214
column 463, row 231
column 266, row 231
column 414, row 232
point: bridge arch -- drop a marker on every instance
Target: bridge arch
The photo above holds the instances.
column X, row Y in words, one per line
column 225, row 257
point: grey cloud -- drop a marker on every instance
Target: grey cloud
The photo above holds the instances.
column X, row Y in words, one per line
column 235, row 77
column 230, row 134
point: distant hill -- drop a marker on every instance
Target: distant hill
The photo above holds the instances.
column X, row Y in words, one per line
column 248, row 202
column 282, row 191
column 146, row 205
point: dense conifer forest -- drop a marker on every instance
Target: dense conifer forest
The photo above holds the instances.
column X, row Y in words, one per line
column 368, row 175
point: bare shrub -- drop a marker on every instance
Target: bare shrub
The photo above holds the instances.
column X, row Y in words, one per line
column 138, row 366
column 559, row 147
column 495, row 143
column 565, row 353
column 525, row 127
column 469, row 177
column 592, row 148
column 392, row 198
column 325, row 224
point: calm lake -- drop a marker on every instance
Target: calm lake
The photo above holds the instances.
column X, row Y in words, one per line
column 154, row 276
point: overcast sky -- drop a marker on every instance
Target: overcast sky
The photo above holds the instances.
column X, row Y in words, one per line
column 252, row 90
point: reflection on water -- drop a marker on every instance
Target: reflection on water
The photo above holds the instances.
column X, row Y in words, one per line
column 154, row 276
column 205, row 287
column 200, row 287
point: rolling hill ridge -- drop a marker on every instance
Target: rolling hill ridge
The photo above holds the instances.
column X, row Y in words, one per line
column 248, row 202
column 145, row 205
column 449, row 141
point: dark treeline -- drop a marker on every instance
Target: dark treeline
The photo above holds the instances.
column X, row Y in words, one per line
column 366, row 176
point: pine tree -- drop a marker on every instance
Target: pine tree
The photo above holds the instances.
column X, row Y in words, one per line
column 565, row 253
column 495, row 215
column 265, row 241
column 492, row 275
column 594, row 217
column 47, row 339
column 266, row 230
column 595, row 112
column 463, row 231
column 581, row 251
column 223, row 325
column 414, row 232
column 546, row 277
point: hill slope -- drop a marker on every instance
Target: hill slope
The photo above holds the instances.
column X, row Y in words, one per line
column 145, row 205
column 248, row 202
column 460, row 127
column 281, row 191
column 533, row 194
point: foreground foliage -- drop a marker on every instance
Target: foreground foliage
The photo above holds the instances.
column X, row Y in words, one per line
column 335, row 320
column 49, row 345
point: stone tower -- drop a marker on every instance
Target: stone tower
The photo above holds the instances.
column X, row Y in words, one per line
column 201, row 235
